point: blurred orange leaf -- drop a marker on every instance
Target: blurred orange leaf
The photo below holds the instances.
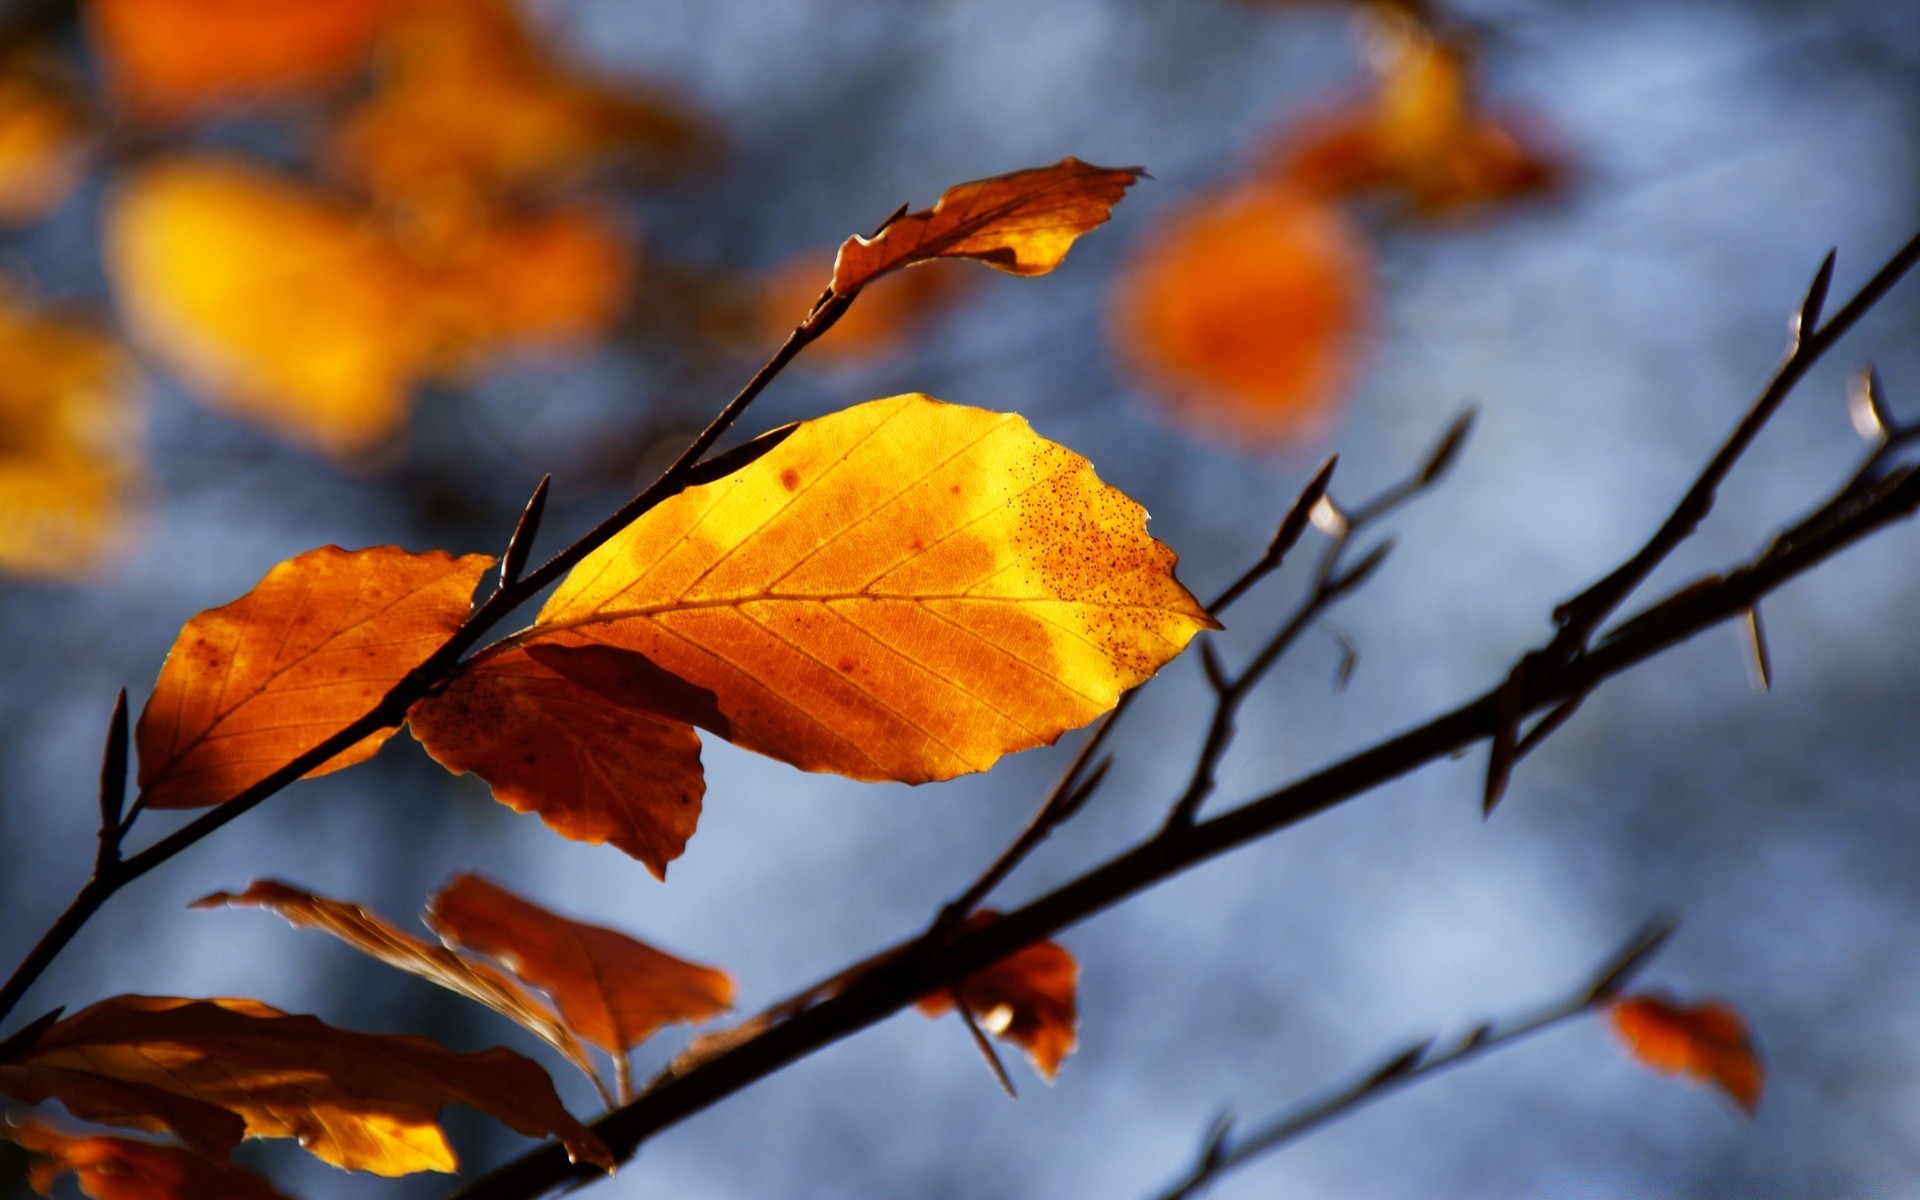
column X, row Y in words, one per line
column 468, row 104
column 376, row 938
column 68, row 433
column 175, row 58
column 253, row 684
column 598, row 763
column 1708, row 1042
column 44, row 131
column 890, row 309
column 1027, row 998
column 1245, row 310
column 1022, row 223
column 365, row 1102
column 902, row 590
column 1421, row 135
column 110, row 1168
column 612, row 990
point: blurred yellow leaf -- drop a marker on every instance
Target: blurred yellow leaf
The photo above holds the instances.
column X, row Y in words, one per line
column 174, row 58
column 44, row 128
column 68, row 429
column 1245, row 310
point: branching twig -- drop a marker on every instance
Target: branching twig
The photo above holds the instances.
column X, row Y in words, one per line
column 1221, row 1153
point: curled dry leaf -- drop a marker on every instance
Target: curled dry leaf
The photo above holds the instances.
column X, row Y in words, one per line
column 209, row 1070
column 372, row 936
column 903, row 590
column 168, row 59
column 1707, row 1041
column 111, row 1168
column 253, row 684
column 1022, row 223
column 596, row 759
column 1027, row 998
column 68, row 443
column 44, row 133
column 611, row 990
column 1245, row 311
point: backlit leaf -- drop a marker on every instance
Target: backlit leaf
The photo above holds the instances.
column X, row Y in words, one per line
column 596, row 760
column 1027, row 998
column 1022, row 223
column 365, row 1102
column 111, row 1168
column 902, row 590
column 68, row 441
column 612, row 990
column 175, row 58
column 253, row 684
column 372, row 936
column 1244, row 311
column 1708, row 1042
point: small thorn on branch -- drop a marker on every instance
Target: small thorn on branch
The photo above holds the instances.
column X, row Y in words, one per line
column 1549, row 724
column 1448, row 449
column 113, row 781
column 1358, row 574
column 1349, row 657
column 1506, row 737
column 1400, row 1064
column 1301, row 512
column 986, row 1049
column 1867, row 407
column 1762, row 657
column 520, row 544
column 1807, row 320
column 1637, row 953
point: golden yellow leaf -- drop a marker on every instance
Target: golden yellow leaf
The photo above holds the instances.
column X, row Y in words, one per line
column 612, row 990
column 1027, row 998
column 365, row 1102
column 176, row 58
column 1245, row 310
column 253, row 684
column 110, row 1168
column 68, row 442
column 1022, row 223
column 372, row 936
column 902, row 590
column 593, row 754
column 279, row 304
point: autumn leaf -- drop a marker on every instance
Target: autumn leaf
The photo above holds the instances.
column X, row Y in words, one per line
column 253, row 684
column 111, row 1168
column 279, row 304
column 1244, row 311
column 1707, row 1041
column 1022, row 223
column 69, row 435
column 891, row 310
column 365, row 1102
column 596, row 760
column 903, row 590
column 612, row 990
column 44, row 132
column 372, row 936
column 176, row 58
column 1027, row 998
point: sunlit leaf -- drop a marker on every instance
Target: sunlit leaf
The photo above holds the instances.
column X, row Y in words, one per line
column 1245, row 310
column 612, row 990
column 366, row 1102
column 1022, row 223
column 253, row 684
column 902, row 590
column 44, row 132
column 595, row 759
column 371, row 935
column 68, row 442
column 1027, row 998
column 111, row 1168
column 1708, row 1042
column 174, row 58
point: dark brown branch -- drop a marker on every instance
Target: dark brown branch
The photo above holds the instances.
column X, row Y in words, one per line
column 1221, row 1153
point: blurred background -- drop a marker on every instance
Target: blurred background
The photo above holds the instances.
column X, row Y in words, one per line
column 363, row 275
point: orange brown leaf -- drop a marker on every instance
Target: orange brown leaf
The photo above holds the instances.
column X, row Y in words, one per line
column 372, row 936
column 1022, row 223
column 44, row 131
column 612, row 990
column 903, row 590
column 365, row 1102
column 1708, row 1042
column 250, row 686
column 176, row 58
column 111, row 1168
column 1027, row 998
column 595, row 759
column 1245, row 312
